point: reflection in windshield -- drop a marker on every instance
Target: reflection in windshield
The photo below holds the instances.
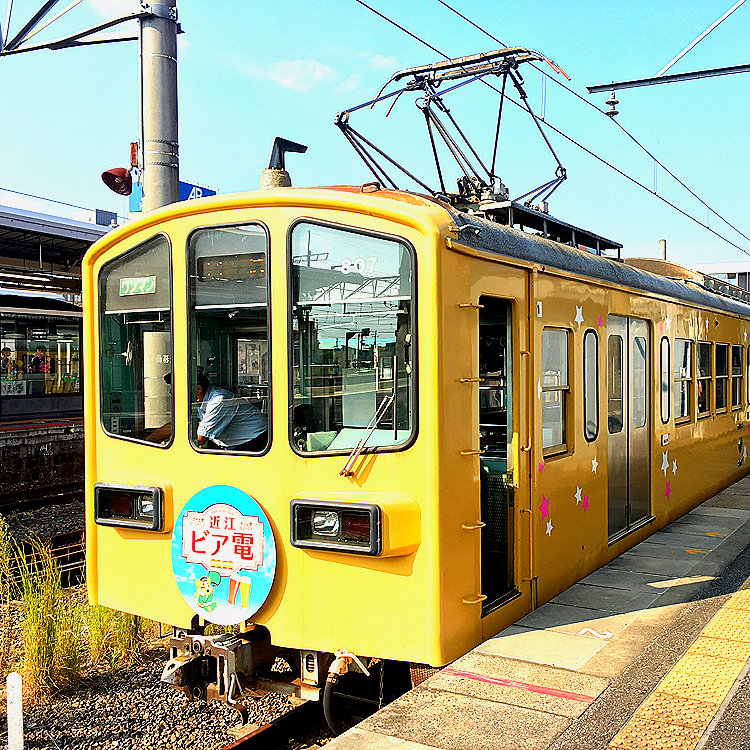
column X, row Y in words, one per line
column 351, row 329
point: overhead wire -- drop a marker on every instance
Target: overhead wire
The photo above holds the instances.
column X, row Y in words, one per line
column 591, row 104
column 572, row 140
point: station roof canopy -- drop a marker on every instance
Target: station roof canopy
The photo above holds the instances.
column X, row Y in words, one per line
column 25, row 236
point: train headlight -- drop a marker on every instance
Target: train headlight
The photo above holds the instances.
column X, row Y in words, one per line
column 338, row 526
column 129, row 506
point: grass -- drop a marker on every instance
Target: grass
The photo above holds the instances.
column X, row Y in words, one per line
column 62, row 635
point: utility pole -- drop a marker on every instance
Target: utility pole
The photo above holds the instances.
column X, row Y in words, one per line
column 158, row 52
column 157, row 37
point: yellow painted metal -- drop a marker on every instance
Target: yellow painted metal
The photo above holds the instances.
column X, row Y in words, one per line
column 408, row 603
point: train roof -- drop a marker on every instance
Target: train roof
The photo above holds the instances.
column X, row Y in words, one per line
column 492, row 237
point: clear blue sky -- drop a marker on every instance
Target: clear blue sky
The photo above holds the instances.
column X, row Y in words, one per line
column 251, row 70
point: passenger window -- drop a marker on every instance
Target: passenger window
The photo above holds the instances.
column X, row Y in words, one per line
column 665, row 372
column 705, row 371
column 230, row 367
column 722, row 376
column 683, row 378
column 614, row 384
column 736, row 377
column 351, row 361
column 135, row 335
column 555, row 390
column 590, row 385
column 640, row 382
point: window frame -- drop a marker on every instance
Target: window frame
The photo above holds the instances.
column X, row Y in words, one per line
column 699, row 379
column 665, row 340
column 189, row 327
column 597, row 387
column 721, row 379
column 685, row 419
column 414, row 344
column 733, row 377
column 566, row 447
column 100, row 369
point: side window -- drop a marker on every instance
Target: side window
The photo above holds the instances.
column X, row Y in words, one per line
column 665, row 372
column 722, row 376
column 736, row 377
column 640, row 382
column 590, row 385
column 555, row 389
column 135, row 339
column 704, row 378
column 683, row 379
column 615, row 386
column 229, row 366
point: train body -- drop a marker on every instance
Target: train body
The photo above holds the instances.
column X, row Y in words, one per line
column 463, row 419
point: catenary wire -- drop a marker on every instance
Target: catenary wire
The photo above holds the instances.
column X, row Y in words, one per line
column 602, row 112
column 572, row 140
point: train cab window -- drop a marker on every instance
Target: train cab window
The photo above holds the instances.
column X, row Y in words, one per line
column 665, row 373
column 705, row 372
column 736, row 377
column 615, row 386
column 590, row 385
column 230, row 369
column 683, row 379
column 555, row 389
column 135, row 336
column 352, row 339
column 722, row 376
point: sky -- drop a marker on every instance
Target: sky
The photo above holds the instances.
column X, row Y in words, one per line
column 251, row 70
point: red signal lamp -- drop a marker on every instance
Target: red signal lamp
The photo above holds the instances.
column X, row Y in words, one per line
column 119, row 180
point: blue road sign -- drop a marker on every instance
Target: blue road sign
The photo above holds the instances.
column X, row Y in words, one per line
column 188, row 192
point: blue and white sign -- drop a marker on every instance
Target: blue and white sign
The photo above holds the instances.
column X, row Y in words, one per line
column 223, row 555
column 188, row 192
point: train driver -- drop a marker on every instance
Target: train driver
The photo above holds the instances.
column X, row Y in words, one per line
column 227, row 421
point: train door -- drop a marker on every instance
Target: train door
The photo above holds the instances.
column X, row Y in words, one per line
column 495, row 421
column 628, row 424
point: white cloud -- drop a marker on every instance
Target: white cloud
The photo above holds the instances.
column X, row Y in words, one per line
column 298, row 75
column 380, row 62
column 350, row 84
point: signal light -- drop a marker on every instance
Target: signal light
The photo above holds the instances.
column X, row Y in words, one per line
column 119, row 180
column 337, row 526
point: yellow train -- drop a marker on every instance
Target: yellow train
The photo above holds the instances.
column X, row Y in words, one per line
column 363, row 421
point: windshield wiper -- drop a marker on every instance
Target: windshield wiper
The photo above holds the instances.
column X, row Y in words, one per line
column 385, row 404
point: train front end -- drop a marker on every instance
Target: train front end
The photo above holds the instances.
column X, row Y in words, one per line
column 262, row 432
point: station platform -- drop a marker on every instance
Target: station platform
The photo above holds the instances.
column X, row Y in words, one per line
column 651, row 651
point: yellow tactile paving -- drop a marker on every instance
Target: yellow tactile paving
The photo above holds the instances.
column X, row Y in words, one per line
column 722, row 647
column 718, row 665
column 676, row 709
column 676, row 714
column 656, row 735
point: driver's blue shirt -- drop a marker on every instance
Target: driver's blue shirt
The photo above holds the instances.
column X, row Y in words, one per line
column 228, row 420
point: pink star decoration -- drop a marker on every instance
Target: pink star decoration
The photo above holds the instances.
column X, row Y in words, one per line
column 585, row 502
column 669, row 490
column 601, row 321
column 544, row 507
column 541, row 466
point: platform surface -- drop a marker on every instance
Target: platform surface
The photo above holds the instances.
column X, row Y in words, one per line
column 651, row 651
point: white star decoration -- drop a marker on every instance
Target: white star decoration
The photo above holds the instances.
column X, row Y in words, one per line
column 594, row 464
column 745, row 335
column 578, row 494
column 579, row 315
column 674, row 467
column 549, row 527
column 669, row 323
column 665, row 462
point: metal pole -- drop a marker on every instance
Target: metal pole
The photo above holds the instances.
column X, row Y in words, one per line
column 158, row 40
